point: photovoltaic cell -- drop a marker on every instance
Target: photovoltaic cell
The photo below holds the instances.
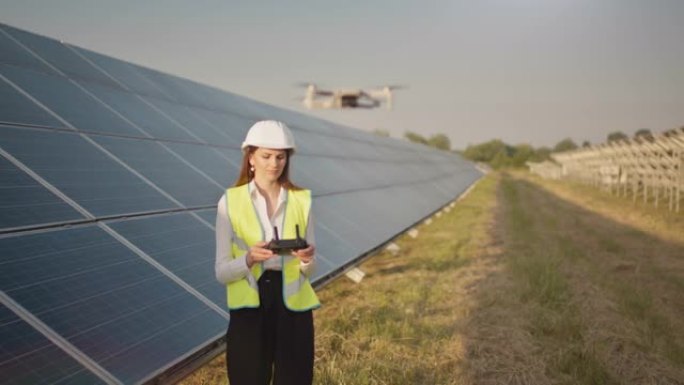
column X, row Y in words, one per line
column 170, row 86
column 105, row 300
column 28, row 357
column 140, row 114
column 164, row 170
column 220, row 164
column 17, row 108
column 24, row 202
column 332, row 247
column 181, row 244
column 124, row 73
column 231, row 125
column 82, row 172
column 189, row 119
column 320, row 174
column 68, row 101
column 208, row 215
column 13, row 53
column 359, row 239
column 323, row 268
column 58, row 55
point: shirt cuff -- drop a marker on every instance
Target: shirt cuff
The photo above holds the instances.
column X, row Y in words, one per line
column 307, row 267
column 241, row 265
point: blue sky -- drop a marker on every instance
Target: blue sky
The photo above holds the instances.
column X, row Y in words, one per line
column 533, row 71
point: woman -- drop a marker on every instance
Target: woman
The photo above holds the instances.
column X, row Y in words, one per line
column 270, row 298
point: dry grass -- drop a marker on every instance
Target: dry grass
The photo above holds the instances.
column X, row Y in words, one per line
column 524, row 282
column 622, row 273
column 406, row 322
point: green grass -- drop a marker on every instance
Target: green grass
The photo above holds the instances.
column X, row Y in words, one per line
column 611, row 256
column 398, row 326
column 535, row 259
column 524, row 282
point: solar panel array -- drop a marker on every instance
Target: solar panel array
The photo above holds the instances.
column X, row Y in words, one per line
column 110, row 173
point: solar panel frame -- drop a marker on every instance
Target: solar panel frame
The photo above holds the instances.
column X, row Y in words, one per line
column 67, row 160
column 163, row 236
column 366, row 189
column 17, row 108
column 17, row 55
column 188, row 185
column 57, row 56
column 77, row 292
column 65, row 98
column 25, row 202
column 188, row 118
column 28, row 357
column 127, row 75
column 139, row 114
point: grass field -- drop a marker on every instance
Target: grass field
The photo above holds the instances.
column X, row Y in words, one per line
column 525, row 281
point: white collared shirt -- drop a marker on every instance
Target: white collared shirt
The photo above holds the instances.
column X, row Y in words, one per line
column 230, row 269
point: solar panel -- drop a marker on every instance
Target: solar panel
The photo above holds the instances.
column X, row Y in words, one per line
column 182, row 244
column 16, row 108
column 209, row 215
column 179, row 178
column 125, row 74
column 110, row 177
column 85, row 174
column 12, row 53
column 70, row 102
column 104, row 299
column 25, row 202
column 28, row 357
column 192, row 121
column 139, row 114
column 57, row 55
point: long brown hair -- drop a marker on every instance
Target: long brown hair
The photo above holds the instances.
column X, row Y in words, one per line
column 246, row 175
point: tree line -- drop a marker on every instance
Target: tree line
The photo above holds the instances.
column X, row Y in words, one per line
column 499, row 154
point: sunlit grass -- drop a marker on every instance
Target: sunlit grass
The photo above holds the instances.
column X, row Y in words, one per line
column 525, row 281
column 399, row 326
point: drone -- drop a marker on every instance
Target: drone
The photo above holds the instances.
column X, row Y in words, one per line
column 347, row 98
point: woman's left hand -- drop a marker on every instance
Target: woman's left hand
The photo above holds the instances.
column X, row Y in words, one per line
column 305, row 255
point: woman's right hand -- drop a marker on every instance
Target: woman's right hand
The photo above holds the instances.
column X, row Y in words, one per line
column 258, row 253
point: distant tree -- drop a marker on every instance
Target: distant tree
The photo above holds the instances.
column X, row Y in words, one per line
column 499, row 154
column 566, row 144
column 501, row 160
column 381, row 132
column 485, row 152
column 643, row 133
column 440, row 141
column 541, row 154
column 521, row 154
column 617, row 135
column 586, row 144
column 415, row 138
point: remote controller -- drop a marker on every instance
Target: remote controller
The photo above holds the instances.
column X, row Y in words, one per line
column 279, row 246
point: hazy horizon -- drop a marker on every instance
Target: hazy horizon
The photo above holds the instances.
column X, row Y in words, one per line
column 523, row 71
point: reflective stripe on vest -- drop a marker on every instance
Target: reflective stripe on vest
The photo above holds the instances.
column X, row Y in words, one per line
column 244, row 293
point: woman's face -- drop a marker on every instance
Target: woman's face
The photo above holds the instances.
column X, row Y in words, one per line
column 268, row 163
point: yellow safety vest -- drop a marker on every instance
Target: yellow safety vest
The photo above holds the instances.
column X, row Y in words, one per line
column 298, row 295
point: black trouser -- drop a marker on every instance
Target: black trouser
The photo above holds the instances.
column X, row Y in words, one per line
column 270, row 342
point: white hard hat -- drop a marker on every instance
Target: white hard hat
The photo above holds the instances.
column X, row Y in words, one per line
column 269, row 134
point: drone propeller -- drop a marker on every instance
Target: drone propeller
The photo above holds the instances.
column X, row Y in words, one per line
column 392, row 87
column 304, row 84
